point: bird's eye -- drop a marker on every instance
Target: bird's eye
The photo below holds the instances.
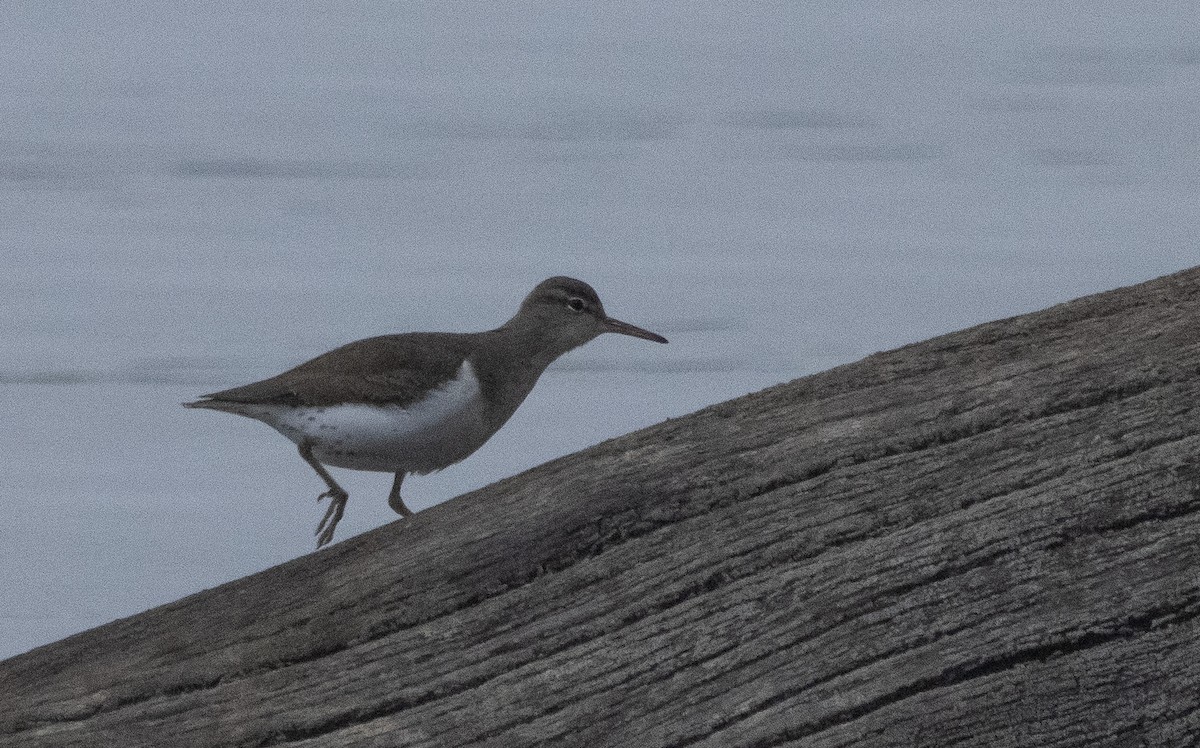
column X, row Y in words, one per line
column 575, row 304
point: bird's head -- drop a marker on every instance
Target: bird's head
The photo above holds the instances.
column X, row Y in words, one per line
column 567, row 313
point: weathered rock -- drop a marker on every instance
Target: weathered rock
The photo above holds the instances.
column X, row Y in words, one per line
column 991, row 538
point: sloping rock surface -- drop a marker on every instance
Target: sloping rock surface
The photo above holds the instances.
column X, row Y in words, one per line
column 991, row 538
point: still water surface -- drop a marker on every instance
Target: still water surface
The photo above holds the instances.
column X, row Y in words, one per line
column 193, row 199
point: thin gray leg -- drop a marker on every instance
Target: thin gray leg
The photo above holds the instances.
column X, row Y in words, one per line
column 394, row 500
column 336, row 494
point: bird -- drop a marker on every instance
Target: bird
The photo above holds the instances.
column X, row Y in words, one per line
column 417, row 402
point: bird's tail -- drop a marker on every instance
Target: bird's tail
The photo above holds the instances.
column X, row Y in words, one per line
column 222, row 405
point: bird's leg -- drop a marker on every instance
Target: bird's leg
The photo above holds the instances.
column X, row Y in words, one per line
column 336, row 494
column 394, row 500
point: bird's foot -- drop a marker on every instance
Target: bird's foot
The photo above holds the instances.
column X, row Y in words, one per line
column 337, row 505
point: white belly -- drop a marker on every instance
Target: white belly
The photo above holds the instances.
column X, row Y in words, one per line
column 428, row 435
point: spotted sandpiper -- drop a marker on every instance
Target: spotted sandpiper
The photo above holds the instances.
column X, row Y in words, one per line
column 418, row 402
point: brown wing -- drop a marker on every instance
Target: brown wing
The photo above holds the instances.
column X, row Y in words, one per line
column 397, row 369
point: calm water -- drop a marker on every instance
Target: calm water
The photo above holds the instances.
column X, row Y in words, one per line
column 195, row 199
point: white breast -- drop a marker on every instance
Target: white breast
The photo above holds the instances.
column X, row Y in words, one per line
column 430, row 434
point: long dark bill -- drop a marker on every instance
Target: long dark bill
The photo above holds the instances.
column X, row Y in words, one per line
column 624, row 328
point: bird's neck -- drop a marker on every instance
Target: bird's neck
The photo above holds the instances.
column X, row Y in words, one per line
column 508, row 361
column 534, row 343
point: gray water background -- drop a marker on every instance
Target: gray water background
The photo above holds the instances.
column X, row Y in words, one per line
column 193, row 198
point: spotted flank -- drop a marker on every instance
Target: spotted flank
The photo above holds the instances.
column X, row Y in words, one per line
column 441, row 429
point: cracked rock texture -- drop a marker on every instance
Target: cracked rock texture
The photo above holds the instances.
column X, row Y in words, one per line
column 991, row 538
